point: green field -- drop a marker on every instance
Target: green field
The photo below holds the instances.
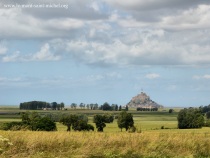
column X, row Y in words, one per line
column 157, row 136
column 147, row 120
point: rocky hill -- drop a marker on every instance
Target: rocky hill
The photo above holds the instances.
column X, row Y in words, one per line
column 144, row 101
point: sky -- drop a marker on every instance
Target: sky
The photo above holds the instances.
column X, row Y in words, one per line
column 96, row 51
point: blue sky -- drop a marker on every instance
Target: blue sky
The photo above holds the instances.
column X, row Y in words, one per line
column 105, row 51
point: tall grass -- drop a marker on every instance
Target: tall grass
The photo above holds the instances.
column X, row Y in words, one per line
column 106, row 145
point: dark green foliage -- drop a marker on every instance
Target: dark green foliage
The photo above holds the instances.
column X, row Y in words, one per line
column 146, row 109
column 77, row 122
column 109, row 118
column 207, row 123
column 120, row 108
column 116, row 107
column 54, row 105
column 204, row 109
column 68, row 121
column 106, row 107
column 82, row 125
column 170, row 110
column 208, row 115
column 190, row 118
column 32, row 121
column 34, row 105
column 34, row 117
column 13, row 126
column 73, row 105
column 99, row 120
column 45, row 124
column 126, row 108
column 54, row 116
column 125, row 120
column 40, row 105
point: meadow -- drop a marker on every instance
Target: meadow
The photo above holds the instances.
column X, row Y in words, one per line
column 156, row 136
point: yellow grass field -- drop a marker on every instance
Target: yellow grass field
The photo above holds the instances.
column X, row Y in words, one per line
column 156, row 143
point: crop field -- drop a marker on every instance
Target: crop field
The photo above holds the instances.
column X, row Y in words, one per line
column 156, row 136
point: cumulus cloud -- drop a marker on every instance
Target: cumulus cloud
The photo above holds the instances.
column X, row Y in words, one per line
column 118, row 39
column 20, row 25
column 146, row 47
column 43, row 55
column 155, row 4
column 189, row 19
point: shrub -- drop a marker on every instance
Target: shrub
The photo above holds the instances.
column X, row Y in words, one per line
column 46, row 124
column 190, row 118
column 14, row 126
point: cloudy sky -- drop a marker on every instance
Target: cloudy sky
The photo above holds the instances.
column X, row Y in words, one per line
column 96, row 51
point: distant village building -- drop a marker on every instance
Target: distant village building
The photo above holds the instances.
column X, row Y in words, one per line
column 142, row 100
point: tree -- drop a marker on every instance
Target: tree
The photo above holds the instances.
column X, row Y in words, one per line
column 106, row 106
column 120, row 108
column 109, row 118
column 81, row 125
column 68, row 120
column 54, row 105
column 125, row 120
column 99, row 120
column 116, row 107
column 126, row 108
column 62, row 105
column 46, row 124
column 33, row 121
column 73, row 105
column 34, row 117
column 208, row 115
column 190, row 118
column 170, row 110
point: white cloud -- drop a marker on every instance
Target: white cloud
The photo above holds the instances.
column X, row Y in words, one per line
column 43, row 55
column 3, row 49
column 121, row 39
column 12, row 58
column 207, row 76
column 192, row 18
column 152, row 76
column 137, row 5
column 146, row 47
column 22, row 25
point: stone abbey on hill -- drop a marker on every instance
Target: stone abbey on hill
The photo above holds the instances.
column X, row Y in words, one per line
column 142, row 100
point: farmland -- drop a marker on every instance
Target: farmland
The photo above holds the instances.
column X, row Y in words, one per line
column 157, row 136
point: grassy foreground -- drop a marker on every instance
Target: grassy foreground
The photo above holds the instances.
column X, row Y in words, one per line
column 106, row 145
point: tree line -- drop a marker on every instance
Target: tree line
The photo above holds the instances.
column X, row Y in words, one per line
column 78, row 122
column 40, row 105
column 146, row 109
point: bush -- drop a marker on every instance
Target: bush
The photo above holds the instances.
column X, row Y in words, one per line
column 190, row 118
column 207, row 123
column 208, row 115
column 99, row 120
column 109, row 118
column 170, row 110
column 46, row 124
column 125, row 120
column 14, row 126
